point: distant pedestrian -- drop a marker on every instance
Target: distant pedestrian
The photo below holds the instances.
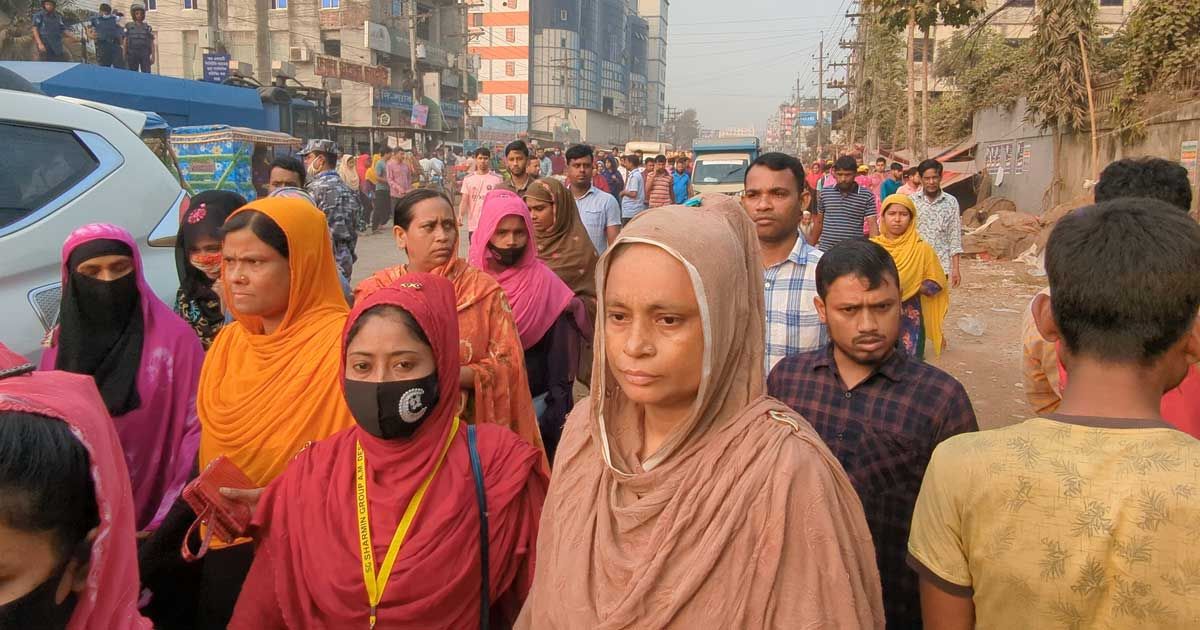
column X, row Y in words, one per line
column 843, row 209
column 815, row 176
column 558, row 163
column 911, row 182
column 48, row 31
column 516, row 158
column 546, row 166
column 400, row 180
column 939, row 221
column 891, row 185
column 108, row 35
column 598, row 211
column 475, row 187
column 681, row 186
column 659, row 186
column 286, row 172
column 139, row 41
column 334, row 198
column 383, row 192
column 633, row 200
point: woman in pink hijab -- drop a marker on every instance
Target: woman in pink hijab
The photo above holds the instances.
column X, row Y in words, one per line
column 145, row 361
column 67, row 547
column 551, row 321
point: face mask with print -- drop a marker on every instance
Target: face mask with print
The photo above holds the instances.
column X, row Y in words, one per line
column 208, row 264
column 392, row 409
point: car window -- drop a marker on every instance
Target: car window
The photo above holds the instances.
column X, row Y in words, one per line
column 47, row 162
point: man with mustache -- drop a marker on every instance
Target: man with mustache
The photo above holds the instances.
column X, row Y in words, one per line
column 880, row 411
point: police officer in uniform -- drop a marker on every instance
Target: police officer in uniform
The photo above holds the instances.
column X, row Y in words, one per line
column 48, row 29
column 108, row 35
column 139, row 41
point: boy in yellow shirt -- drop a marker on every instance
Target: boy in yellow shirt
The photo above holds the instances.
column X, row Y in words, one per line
column 1087, row 517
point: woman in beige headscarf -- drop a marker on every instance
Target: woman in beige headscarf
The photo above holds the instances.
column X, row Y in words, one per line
column 562, row 241
column 682, row 496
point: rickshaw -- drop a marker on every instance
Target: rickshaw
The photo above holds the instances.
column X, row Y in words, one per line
column 220, row 157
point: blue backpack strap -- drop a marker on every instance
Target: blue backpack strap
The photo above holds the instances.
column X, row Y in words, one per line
column 485, row 604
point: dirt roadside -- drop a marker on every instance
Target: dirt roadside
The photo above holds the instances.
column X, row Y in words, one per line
column 989, row 365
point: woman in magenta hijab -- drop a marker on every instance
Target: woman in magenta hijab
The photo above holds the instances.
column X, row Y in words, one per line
column 144, row 359
column 551, row 321
column 67, row 551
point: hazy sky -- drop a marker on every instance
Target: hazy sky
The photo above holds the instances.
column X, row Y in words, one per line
column 735, row 61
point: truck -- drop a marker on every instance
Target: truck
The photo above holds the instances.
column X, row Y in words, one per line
column 648, row 148
column 720, row 164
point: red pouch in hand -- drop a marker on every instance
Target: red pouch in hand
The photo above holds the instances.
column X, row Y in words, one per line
column 225, row 518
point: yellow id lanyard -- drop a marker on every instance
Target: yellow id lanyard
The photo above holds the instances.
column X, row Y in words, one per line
column 377, row 583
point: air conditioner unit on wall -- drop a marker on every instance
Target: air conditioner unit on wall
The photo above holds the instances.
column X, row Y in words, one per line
column 300, row 53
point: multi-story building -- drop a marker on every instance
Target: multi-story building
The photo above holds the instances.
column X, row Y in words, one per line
column 567, row 70
column 655, row 14
column 358, row 50
column 501, row 43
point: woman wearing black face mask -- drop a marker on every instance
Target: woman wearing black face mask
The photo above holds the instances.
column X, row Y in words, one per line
column 144, row 359
column 67, row 551
column 403, row 478
column 552, row 322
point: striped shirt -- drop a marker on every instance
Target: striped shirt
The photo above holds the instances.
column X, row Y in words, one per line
column 793, row 325
column 843, row 214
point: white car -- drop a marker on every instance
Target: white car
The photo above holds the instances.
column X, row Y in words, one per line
column 71, row 163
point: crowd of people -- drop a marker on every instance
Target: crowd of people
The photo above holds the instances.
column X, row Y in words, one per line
column 762, row 444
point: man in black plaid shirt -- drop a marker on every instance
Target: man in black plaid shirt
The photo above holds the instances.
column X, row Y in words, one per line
column 880, row 411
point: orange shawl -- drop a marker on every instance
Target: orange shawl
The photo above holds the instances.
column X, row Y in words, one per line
column 742, row 519
column 488, row 344
column 262, row 397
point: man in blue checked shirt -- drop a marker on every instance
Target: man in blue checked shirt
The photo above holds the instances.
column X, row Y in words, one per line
column 775, row 199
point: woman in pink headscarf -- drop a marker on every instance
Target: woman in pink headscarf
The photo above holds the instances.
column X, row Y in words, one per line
column 551, row 321
column 67, row 548
column 144, row 359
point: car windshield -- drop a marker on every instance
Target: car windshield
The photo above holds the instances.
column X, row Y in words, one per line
column 729, row 171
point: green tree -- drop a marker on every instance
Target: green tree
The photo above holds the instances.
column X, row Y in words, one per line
column 986, row 71
column 925, row 15
column 685, row 128
column 1058, row 93
column 1159, row 48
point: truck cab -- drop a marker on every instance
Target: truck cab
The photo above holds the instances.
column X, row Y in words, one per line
column 720, row 164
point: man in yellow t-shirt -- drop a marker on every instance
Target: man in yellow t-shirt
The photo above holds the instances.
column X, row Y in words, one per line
column 1085, row 518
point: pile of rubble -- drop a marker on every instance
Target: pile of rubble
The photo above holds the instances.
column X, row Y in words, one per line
column 995, row 230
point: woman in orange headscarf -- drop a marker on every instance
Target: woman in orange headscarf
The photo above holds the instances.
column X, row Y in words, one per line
column 493, row 361
column 270, row 383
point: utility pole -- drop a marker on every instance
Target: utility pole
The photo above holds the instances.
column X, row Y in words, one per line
column 410, row 12
column 262, row 42
column 820, row 93
column 796, row 121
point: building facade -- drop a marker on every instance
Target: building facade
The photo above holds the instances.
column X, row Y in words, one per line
column 359, row 51
column 566, row 70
